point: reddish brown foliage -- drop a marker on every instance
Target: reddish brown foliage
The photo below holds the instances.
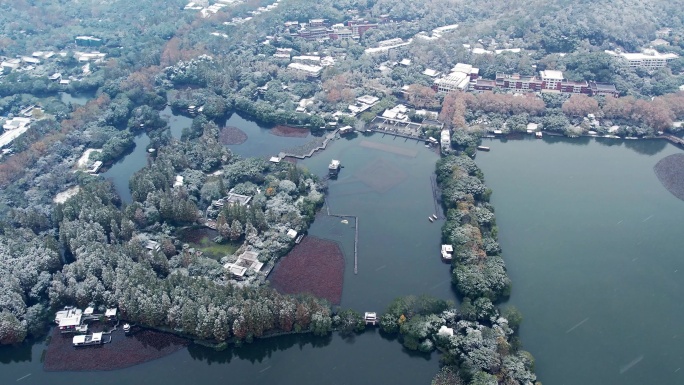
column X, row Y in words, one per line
column 122, row 352
column 580, row 105
column 422, row 96
column 288, row 131
column 315, row 266
column 232, row 135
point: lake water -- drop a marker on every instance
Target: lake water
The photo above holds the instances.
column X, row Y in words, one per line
column 390, row 192
column 77, row 99
column 398, row 255
column 260, row 140
column 593, row 244
column 591, row 239
column 122, row 170
column 294, row 359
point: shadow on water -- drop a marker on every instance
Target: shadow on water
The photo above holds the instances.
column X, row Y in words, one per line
column 350, row 136
column 259, row 350
column 609, row 142
column 17, row 353
column 646, row 146
column 580, row 141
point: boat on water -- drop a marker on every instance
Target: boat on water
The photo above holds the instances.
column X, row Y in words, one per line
column 434, row 216
column 538, row 134
column 430, row 219
column 334, row 167
column 127, row 328
column 483, row 148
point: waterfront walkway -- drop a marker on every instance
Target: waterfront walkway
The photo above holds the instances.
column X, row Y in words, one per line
column 673, row 139
column 306, row 150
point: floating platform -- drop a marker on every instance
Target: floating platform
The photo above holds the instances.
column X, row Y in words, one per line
column 371, row 318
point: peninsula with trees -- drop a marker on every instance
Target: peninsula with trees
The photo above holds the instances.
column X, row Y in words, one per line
column 191, row 251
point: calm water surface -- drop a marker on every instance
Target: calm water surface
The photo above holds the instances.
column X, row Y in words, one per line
column 591, row 239
column 390, row 264
column 75, row 99
column 122, row 170
column 593, row 244
column 303, row 359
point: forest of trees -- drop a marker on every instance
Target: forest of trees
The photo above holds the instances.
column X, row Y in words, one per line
column 90, row 249
column 479, row 347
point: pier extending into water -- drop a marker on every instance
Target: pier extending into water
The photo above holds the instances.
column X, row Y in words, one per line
column 356, row 234
column 398, row 134
column 303, row 155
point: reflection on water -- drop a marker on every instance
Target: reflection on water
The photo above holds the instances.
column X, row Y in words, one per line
column 75, row 99
column 20, row 353
column 260, row 349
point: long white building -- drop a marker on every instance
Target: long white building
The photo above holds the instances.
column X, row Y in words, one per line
column 649, row 59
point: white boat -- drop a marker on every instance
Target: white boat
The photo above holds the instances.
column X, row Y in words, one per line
column 430, row 219
column 334, row 167
column 88, row 339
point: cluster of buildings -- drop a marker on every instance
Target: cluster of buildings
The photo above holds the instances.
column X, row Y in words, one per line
column 548, row 81
column 40, row 62
column 320, row 29
column 464, row 77
column 12, row 128
column 210, row 10
column 459, row 79
column 311, row 65
column 648, row 59
column 27, row 62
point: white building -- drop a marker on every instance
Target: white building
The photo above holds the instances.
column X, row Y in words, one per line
column 445, row 140
column 310, row 70
column 368, row 99
column 430, row 72
column 458, row 79
column 88, row 56
column 307, row 59
column 30, row 60
column 447, row 250
column 11, row 64
column 14, row 128
column 247, row 260
column 398, row 112
column 551, row 78
column 649, row 59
